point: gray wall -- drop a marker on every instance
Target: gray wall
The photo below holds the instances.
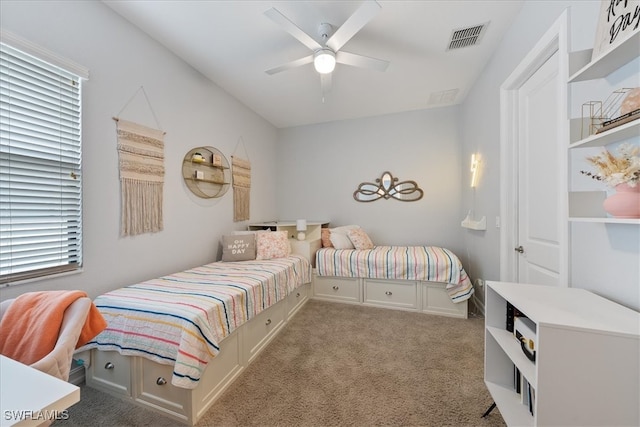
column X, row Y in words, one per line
column 324, row 164
column 306, row 172
column 191, row 110
column 604, row 258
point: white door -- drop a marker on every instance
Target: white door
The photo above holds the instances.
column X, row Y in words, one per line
column 539, row 165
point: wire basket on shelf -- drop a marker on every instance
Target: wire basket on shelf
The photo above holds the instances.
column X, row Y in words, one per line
column 599, row 116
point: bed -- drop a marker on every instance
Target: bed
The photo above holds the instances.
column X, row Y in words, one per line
column 174, row 343
column 429, row 279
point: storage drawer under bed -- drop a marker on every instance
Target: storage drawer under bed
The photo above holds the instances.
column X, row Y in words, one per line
column 262, row 328
column 399, row 293
column 345, row 289
column 111, row 371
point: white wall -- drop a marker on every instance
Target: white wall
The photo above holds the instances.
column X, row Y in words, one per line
column 191, row 110
column 322, row 165
column 604, row 258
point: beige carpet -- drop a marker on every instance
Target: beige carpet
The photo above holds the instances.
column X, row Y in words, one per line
column 342, row 365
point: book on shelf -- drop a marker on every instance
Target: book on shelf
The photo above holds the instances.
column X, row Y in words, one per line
column 512, row 313
column 524, row 392
column 618, row 121
column 532, row 399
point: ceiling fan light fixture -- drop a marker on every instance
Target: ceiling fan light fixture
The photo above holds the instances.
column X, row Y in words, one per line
column 324, row 61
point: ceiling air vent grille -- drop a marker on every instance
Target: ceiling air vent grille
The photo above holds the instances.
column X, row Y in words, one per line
column 464, row 37
column 443, row 97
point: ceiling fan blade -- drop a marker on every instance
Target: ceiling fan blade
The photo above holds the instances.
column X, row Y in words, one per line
column 325, row 82
column 361, row 61
column 293, row 64
column 359, row 19
column 292, row 29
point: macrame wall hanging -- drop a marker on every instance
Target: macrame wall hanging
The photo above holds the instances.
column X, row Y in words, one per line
column 241, row 179
column 141, row 164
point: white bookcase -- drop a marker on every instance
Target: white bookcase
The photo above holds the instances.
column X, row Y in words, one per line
column 307, row 247
column 587, row 367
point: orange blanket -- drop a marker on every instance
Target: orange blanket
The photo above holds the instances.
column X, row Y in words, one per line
column 30, row 327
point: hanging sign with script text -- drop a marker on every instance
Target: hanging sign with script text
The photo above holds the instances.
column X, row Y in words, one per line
column 618, row 19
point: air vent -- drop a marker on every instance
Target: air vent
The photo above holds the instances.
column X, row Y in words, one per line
column 470, row 36
column 443, row 97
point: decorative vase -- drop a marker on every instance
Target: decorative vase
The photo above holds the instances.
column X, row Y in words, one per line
column 631, row 102
column 625, row 203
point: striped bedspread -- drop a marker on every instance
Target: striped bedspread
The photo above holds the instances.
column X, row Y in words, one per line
column 425, row 263
column 181, row 319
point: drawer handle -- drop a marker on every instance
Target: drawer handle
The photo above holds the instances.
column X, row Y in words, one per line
column 335, row 288
column 298, row 295
column 161, row 381
column 268, row 322
column 388, row 293
column 108, row 365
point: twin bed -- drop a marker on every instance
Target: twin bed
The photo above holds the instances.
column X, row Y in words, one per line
column 416, row 263
column 173, row 344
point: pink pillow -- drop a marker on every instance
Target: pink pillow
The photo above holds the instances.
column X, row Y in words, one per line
column 325, row 236
column 273, row 244
column 360, row 239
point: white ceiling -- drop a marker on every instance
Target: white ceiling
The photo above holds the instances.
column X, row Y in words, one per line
column 233, row 43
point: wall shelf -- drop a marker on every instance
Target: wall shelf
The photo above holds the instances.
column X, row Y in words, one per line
column 202, row 176
column 607, row 220
column 586, row 206
column 620, row 133
column 608, row 62
column 472, row 224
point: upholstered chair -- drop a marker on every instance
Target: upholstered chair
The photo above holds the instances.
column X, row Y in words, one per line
column 58, row 361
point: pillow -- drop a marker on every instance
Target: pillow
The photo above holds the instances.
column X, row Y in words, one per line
column 238, row 247
column 344, row 229
column 360, row 239
column 325, row 234
column 340, row 239
column 273, row 244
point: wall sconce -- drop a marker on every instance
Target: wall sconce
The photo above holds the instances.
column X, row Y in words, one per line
column 475, row 165
column 301, row 227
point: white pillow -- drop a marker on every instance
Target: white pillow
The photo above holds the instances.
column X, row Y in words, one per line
column 340, row 237
column 344, row 229
column 341, row 241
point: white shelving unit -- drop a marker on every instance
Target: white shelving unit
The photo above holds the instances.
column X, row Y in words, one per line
column 306, row 247
column 587, row 367
column 587, row 206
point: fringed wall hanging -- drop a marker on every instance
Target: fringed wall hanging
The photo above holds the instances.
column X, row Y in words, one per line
column 141, row 165
column 241, row 179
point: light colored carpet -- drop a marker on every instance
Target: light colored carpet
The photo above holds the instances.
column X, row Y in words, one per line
column 342, row 365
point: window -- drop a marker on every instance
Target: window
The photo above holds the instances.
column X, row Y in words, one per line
column 40, row 168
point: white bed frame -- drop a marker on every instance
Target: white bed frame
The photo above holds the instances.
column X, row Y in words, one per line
column 411, row 295
column 148, row 384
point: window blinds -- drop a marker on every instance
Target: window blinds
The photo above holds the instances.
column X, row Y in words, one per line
column 40, row 160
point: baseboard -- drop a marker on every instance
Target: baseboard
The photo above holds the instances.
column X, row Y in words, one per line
column 77, row 373
column 478, row 304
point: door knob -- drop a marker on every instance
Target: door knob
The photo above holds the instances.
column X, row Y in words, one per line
column 519, row 249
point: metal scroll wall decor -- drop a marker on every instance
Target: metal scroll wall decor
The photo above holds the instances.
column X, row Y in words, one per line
column 387, row 187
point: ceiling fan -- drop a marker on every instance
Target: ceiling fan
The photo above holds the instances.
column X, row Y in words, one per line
column 326, row 55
